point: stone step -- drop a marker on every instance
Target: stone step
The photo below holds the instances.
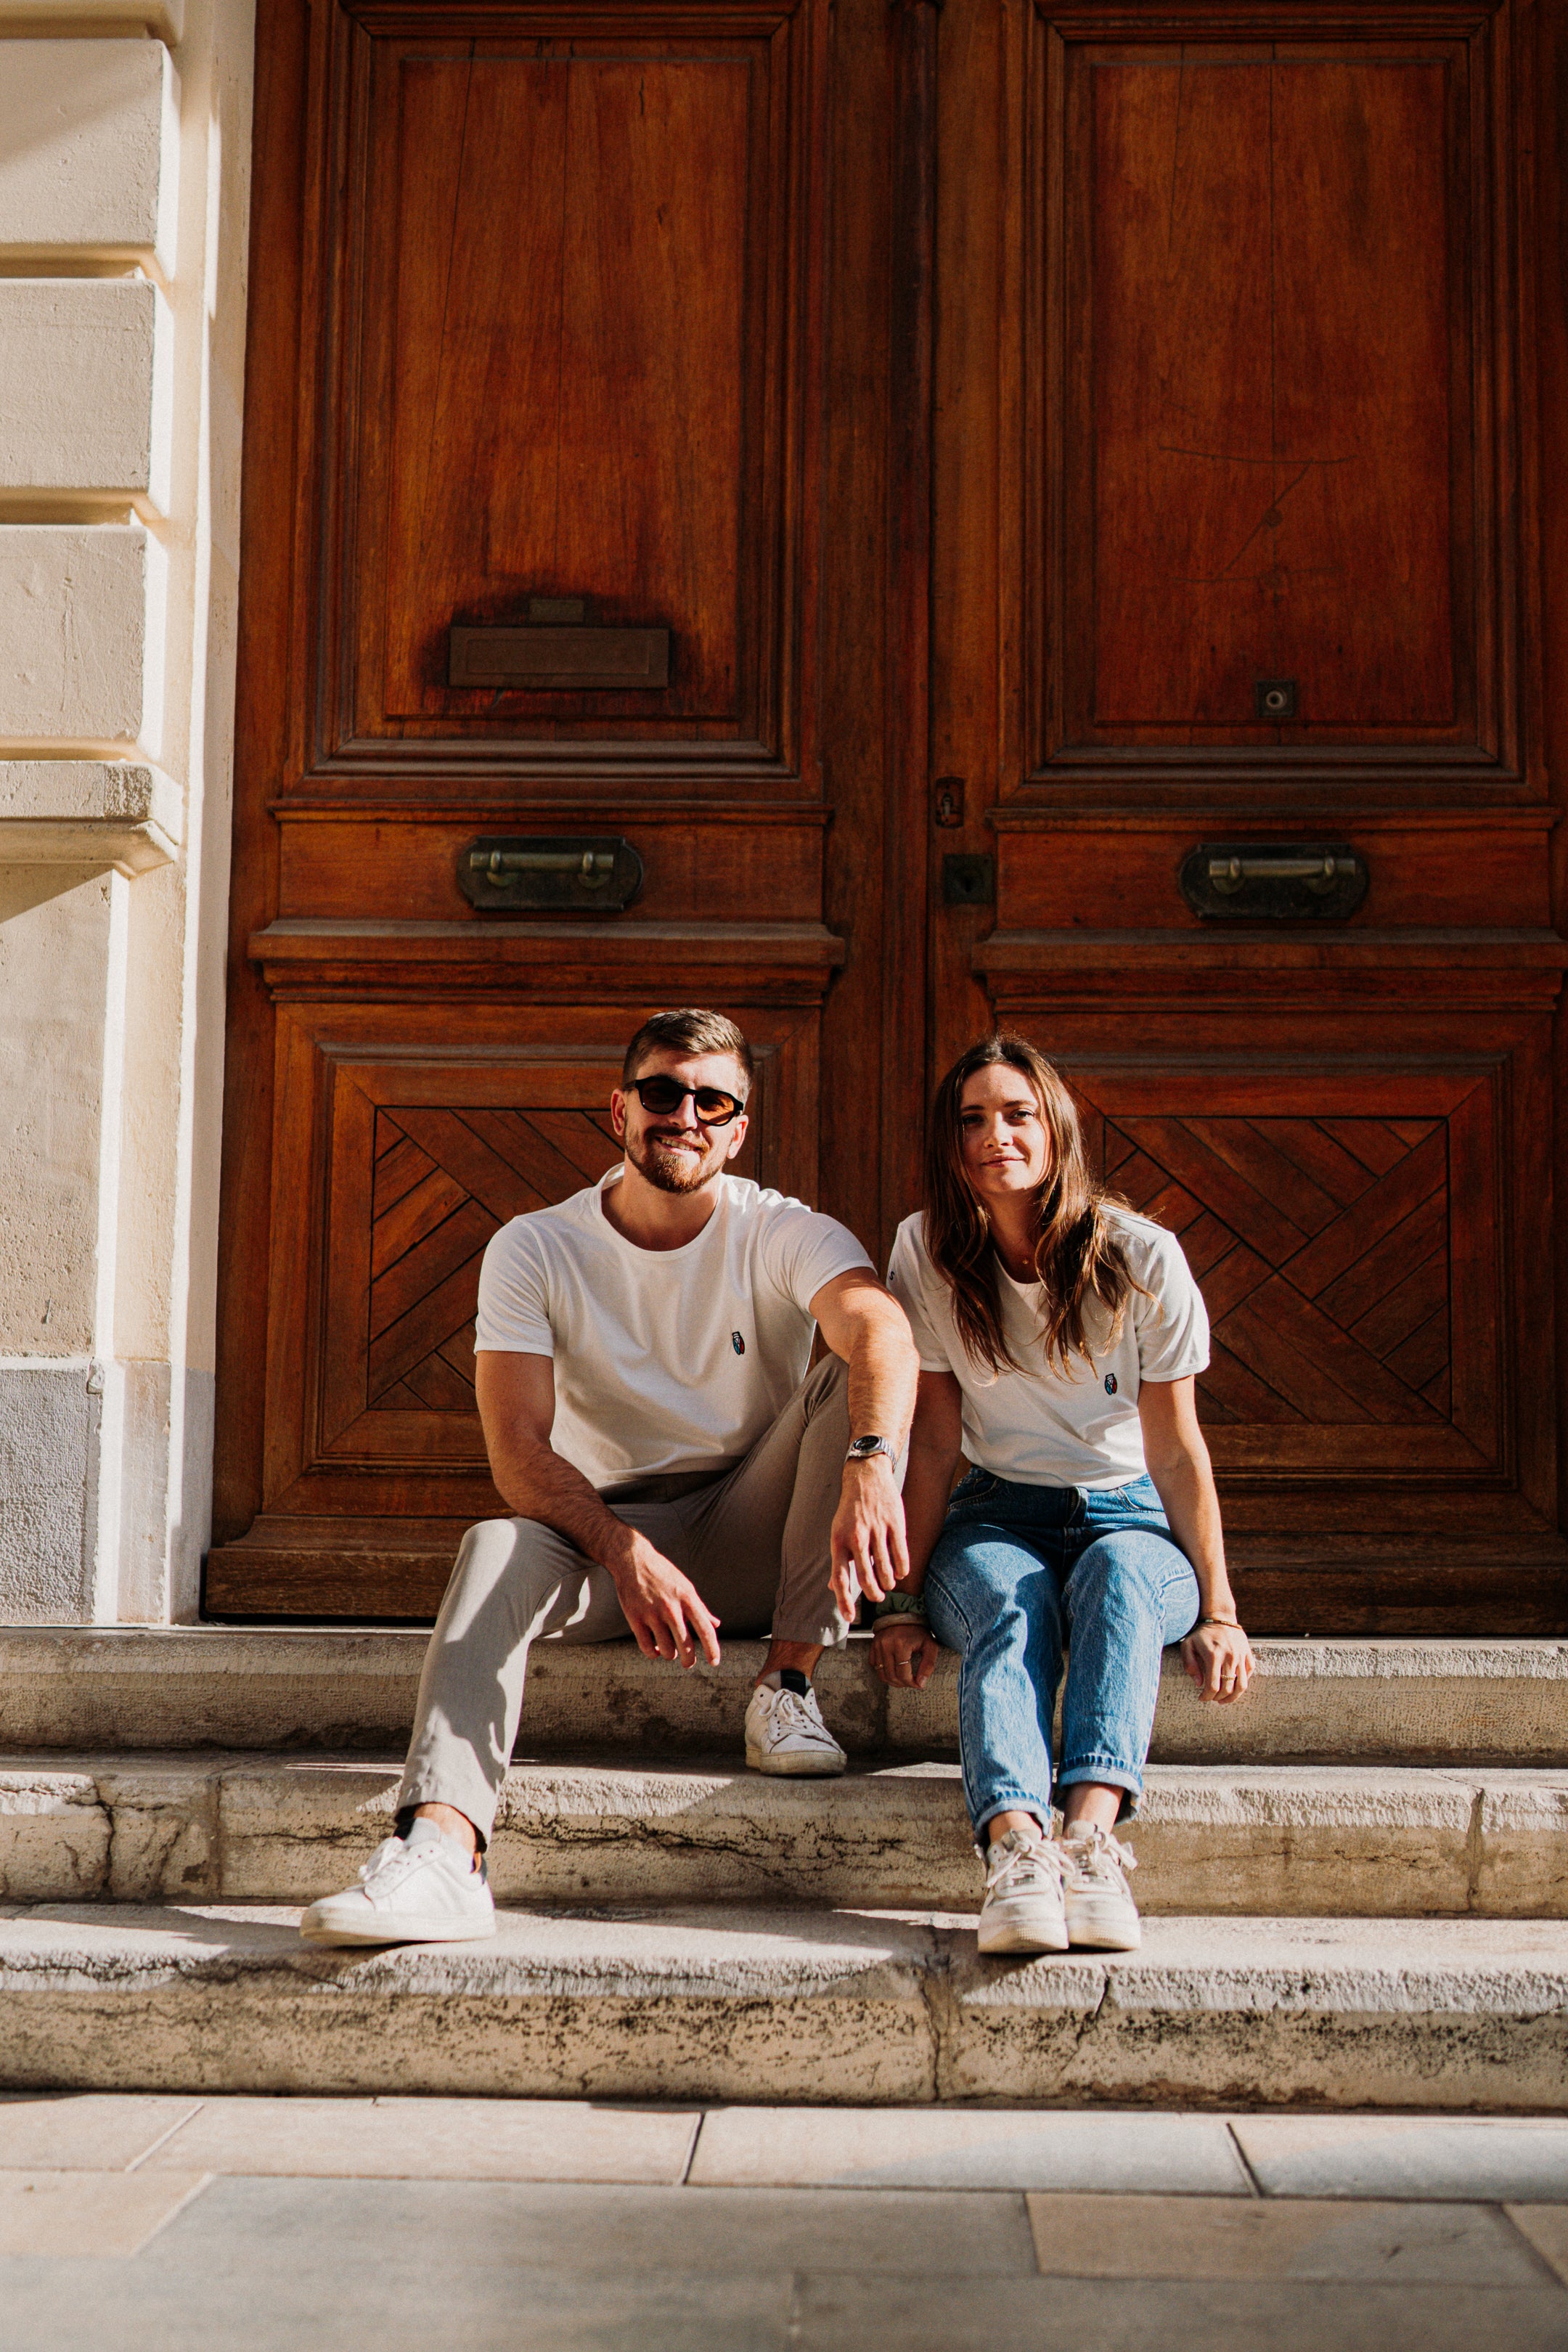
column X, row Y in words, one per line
column 1282, row 1840
column 114, row 1687
column 713, row 2003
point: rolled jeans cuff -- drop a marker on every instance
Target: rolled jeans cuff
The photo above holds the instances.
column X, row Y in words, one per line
column 1011, row 1800
column 1106, row 1774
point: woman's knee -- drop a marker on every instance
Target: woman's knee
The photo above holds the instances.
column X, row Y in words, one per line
column 1128, row 1570
column 986, row 1582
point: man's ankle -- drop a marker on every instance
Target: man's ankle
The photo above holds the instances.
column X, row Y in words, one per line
column 454, row 1825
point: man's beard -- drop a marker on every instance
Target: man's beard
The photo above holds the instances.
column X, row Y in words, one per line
column 668, row 1170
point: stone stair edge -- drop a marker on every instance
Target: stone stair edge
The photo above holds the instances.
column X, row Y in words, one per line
column 1400, row 1840
column 838, row 2008
column 332, row 1649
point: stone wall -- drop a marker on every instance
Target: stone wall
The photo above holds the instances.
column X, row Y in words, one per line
column 124, row 168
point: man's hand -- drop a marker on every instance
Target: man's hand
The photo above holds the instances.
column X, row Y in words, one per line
column 1220, row 1660
column 869, row 1554
column 661, row 1606
column 904, row 1653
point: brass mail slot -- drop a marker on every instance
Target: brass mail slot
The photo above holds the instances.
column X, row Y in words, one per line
column 559, row 661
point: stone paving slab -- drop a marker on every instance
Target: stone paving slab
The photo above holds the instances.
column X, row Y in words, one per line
column 193, row 1686
column 1374, row 2156
column 852, row 2008
column 954, row 2148
column 1156, row 2237
column 844, row 2313
column 392, row 2139
column 99, row 2214
column 1305, row 1839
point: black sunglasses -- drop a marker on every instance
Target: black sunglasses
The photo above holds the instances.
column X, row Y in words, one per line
column 660, row 1095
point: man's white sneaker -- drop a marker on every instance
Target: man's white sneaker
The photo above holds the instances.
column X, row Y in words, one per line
column 786, row 1733
column 413, row 1890
column 1100, row 1911
column 1023, row 1908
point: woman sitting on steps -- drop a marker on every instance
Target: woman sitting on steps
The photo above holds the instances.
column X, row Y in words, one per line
column 1058, row 1334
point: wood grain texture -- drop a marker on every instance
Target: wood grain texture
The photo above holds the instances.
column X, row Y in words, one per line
column 1264, row 385
column 856, row 357
column 577, row 355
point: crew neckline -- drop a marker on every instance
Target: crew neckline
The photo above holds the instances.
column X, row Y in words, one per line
column 664, row 1256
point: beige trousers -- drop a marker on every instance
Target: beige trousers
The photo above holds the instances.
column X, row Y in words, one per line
column 755, row 1540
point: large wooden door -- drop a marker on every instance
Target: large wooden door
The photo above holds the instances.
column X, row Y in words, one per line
column 1236, row 400
column 878, row 461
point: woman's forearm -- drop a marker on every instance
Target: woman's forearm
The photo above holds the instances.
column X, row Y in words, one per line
column 1186, row 1488
column 928, row 1483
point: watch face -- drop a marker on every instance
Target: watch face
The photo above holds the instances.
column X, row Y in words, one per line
column 866, row 1445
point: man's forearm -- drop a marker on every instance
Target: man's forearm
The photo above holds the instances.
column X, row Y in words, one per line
column 883, row 1370
column 537, row 1483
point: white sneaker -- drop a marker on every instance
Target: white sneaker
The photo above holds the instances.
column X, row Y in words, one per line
column 786, row 1733
column 1100, row 1911
column 413, row 1890
column 1023, row 1906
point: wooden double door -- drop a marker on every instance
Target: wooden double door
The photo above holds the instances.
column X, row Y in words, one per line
column 890, row 520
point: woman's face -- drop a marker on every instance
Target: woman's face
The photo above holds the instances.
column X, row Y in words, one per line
column 1005, row 1143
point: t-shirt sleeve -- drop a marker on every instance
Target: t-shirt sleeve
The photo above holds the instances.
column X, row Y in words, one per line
column 1173, row 1325
column 801, row 1249
column 908, row 1271
column 514, row 1295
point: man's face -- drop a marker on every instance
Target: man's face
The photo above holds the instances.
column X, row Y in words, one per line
column 674, row 1149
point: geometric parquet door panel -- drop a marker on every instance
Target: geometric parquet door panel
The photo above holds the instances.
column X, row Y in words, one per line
column 1321, row 1249
column 445, row 1182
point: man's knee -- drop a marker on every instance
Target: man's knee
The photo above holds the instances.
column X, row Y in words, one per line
column 827, row 1384
column 523, row 1555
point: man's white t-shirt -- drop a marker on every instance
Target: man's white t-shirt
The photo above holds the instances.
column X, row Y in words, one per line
column 665, row 1360
column 1039, row 1426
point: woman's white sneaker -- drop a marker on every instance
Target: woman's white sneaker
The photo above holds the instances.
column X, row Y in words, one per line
column 413, row 1890
column 1100, row 1911
column 1023, row 1908
column 786, row 1733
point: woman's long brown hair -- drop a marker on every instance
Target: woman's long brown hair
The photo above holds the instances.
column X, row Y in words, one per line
column 1075, row 1253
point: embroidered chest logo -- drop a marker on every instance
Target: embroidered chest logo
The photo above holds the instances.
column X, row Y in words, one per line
column 738, row 1344
column 1111, row 1384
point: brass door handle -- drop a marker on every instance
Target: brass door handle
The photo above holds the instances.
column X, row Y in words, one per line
column 592, row 870
column 1229, row 874
column 543, row 872
column 1274, row 881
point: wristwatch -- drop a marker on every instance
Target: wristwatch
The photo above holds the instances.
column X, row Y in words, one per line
column 865, row 1449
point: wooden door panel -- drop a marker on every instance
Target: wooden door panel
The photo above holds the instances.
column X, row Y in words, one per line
column 411, row 1128
column 569, row 333
column 1338, row 1265
column 1271, row 392
column 575, row 354
column 1262, row 372
column 416, row 1190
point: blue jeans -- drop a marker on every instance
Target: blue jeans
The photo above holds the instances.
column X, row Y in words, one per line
column 1021, row 1573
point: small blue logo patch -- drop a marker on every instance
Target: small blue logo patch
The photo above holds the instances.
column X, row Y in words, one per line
column 1111, row 1384
column 738, row 1344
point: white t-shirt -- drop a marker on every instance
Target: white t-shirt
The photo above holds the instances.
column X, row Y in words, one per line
column 1043, row 1427
column 665, row 1360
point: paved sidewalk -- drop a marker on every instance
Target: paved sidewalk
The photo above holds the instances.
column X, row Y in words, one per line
column 154, row 2223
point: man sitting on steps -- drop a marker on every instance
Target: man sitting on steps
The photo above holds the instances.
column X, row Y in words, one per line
column 641, row 1369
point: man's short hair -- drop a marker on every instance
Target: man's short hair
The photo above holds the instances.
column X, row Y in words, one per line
column 690, row 1031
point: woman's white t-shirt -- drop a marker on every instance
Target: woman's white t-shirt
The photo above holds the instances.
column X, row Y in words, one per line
column 665, row 1360
column 1043, row 1427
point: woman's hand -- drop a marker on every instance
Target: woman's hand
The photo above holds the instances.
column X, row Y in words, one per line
column 904, row 1653
column 1220, row 1660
